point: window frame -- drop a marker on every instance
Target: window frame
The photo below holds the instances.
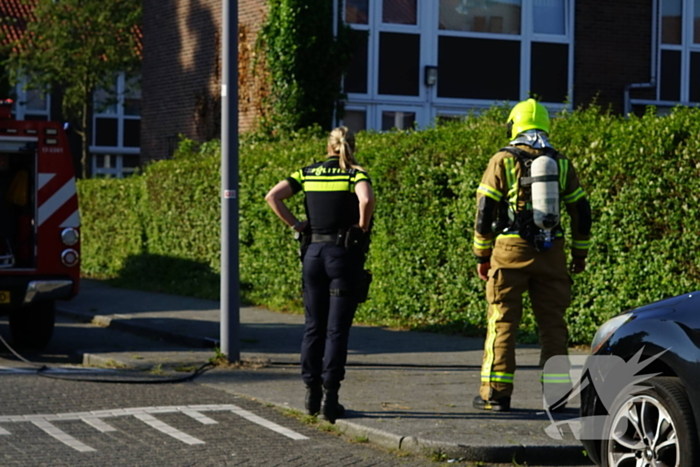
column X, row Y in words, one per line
column 427, row 27
column 120, row 150
column 20, row 108
column 686, row 48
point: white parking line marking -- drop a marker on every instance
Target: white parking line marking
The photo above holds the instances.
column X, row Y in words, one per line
column 267, row 424
column 95, row 419
column 167, row 429
column 62, row 436
column 200, row 417
column 98, row 424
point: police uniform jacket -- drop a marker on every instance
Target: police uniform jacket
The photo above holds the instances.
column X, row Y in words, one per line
column 331, row 203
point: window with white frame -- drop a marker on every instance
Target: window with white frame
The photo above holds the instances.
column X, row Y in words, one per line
column 31, row 104
column 398, row 41
column 531, row 39
column 679, row 51
column 388, row 48
column 116, row 128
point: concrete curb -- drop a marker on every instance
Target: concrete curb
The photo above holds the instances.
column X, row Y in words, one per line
column 126, row 324
column 555, row 455
column 534, row 455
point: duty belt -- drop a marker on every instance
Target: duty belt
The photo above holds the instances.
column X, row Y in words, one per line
column 321, row 238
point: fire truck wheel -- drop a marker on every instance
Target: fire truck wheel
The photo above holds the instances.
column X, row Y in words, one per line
column 32, row 327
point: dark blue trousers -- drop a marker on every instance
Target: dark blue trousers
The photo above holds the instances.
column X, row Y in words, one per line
column 328, row 315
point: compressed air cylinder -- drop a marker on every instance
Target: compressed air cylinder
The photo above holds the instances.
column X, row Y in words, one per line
column 545, row 192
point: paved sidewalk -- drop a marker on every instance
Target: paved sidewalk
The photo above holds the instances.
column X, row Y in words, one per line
column 403, row 390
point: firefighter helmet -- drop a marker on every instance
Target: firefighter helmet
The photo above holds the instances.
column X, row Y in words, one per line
column 527, row 115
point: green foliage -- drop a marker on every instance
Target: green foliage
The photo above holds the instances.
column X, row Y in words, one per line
column 77, row 45
column 305, row 61
column 642, row 175
column 112, row 221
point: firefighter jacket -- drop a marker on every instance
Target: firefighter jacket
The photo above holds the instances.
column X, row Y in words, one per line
column 500, row 192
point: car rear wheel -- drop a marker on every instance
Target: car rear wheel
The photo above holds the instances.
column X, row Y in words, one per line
column 32, row 326
column 653, row 427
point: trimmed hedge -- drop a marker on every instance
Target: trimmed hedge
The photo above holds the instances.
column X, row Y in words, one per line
column 642, row 175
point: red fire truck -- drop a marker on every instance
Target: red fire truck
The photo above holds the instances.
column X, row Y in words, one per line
column 39, row 226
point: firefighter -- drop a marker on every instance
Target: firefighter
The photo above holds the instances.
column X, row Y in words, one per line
column 519, row 247
column 339, row 205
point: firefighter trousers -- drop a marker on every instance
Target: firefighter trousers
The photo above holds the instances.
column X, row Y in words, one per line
column 516, row 268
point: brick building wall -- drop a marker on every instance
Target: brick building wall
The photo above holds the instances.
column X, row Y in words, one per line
column 182, row 64
column 251, row 82
column 612, row 48
column 181, row 71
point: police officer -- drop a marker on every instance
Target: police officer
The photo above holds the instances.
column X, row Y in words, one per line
column 339, row 206
column 515, row 254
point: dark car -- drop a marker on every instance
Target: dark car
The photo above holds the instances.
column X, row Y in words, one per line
column 640, row 389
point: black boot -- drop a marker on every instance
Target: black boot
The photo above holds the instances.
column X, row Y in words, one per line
column 498, row 405
column 314, row 394
column 331, row 409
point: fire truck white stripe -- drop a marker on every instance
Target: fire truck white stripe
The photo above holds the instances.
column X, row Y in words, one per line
column 58, row 199
column 72, row 221
column 44, row 179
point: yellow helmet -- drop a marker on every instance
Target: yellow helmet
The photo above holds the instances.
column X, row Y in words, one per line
column 527, row 115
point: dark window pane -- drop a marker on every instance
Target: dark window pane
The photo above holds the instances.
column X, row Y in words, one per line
column 549, row 17
column 399, row 11
column 500, row 17
column 36, row 101
column 132, row 133
column 356, row 11
column 36, row 117
column 696, row 23
column 670, row 75
column 355, row 120
column 398, row 120
column 103, row 161
column 549, row 75
column 106, row 132
column 132, row 106
column 399, row 55
column 671, row 21
column 356, row 78
column 695, row 77
column 460, row 75
column 130, row 161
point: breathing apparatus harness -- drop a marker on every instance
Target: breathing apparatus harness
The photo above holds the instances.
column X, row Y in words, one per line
column 538, row 221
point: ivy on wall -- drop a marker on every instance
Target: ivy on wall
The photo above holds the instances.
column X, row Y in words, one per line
column 305, row 61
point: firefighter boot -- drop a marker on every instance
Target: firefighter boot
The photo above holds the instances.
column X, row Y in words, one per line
column 499, row 405
column 314, row 394
column 330, row 408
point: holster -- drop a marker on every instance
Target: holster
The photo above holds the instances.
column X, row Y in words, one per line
column 355, row 241
column 304, row 239
column 363, row 287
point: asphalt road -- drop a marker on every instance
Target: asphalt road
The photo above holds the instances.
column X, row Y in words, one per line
column 45, row 421
column 55, row 422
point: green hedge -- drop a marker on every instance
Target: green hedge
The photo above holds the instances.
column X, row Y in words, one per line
column 642, row 175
